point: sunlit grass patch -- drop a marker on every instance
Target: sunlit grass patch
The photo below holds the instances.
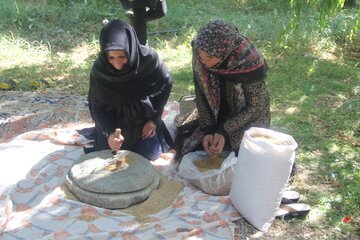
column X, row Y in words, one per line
column 19, row 52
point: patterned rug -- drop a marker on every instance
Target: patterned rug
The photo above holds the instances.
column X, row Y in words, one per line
column 21, row 112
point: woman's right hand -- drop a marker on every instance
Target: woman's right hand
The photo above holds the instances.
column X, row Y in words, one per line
column 115, row 142
column 213, row 144
column 217, row 145
column 207, row 143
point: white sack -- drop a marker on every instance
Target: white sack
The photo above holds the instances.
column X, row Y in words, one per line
column 264, row 165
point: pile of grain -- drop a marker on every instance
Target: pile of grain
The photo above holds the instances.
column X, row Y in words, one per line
column 158, row 200
column 217, row 182
column 122, row 162
column 209, row 163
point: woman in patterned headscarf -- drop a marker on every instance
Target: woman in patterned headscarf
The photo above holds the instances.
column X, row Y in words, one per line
column 231, row 94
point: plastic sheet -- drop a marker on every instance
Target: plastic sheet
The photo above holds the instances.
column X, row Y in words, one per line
column 213, row 181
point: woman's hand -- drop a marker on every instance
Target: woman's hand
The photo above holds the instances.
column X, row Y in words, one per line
column 217, row 144
column 149, row 129
column 115, row 142
column 207, row 141
column 213, row 144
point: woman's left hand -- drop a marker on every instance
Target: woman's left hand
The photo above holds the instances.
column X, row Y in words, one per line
column 217, row 144
column 149, row 129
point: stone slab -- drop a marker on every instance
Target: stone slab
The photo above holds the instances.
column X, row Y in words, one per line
column 111, row 200
column 92, row 172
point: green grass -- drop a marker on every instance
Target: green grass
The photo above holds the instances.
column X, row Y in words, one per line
column 314, row 80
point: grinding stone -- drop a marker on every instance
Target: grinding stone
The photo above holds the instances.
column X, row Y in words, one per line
column 91, row 174
column 111, row 200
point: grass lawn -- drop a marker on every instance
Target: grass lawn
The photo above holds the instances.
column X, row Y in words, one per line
column 314, row 82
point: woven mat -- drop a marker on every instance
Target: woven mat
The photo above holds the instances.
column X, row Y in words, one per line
column 21, row 112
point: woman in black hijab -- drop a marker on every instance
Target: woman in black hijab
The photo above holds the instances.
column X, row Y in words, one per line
column 129, row 87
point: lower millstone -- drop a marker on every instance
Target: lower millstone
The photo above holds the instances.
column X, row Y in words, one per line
column 104, row 180
column 111, row 200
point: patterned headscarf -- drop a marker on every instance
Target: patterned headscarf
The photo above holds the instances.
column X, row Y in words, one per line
column 238, row 55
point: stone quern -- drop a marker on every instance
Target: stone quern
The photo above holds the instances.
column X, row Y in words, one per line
column 97, row 179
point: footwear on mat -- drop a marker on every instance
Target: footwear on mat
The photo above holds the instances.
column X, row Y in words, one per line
column 7, row 84
column 293, row 209
column 290, row 197
column 40, row 83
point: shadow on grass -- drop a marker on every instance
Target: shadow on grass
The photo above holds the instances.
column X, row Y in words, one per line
column 62, row 76
column 317, row 101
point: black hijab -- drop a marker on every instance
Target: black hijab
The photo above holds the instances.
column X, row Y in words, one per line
column 141, row 77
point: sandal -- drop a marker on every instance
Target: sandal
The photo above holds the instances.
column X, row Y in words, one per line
column 7, row 84
column 290, row 197
column 39, row 83
column 293, row 209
